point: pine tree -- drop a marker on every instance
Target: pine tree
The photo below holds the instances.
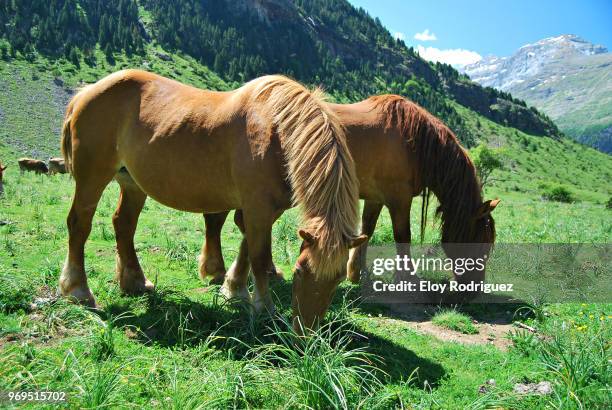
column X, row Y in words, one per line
column 73, row 57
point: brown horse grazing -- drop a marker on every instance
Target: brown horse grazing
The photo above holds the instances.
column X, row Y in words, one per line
column 35, row 165
column 400, row 151
column 259, row 148
column 57, row 166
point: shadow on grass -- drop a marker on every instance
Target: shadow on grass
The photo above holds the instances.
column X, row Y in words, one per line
column 171, row 319
column 498, row 309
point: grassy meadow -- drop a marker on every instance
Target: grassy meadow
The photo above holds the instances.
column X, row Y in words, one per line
column 185, row 347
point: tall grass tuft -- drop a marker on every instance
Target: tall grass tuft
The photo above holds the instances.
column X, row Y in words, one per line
column 181, row 394
column 582, row 367
column 98, row 388
column 103, row 340
column 327, row 370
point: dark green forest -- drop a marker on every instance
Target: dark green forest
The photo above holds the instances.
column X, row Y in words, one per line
column 327, row 42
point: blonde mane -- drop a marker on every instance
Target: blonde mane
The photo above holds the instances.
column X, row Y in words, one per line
column 319, row 166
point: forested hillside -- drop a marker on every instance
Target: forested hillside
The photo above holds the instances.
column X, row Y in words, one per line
column 318, row 42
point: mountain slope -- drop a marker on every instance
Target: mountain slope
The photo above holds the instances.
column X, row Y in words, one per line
column 567, row 77
column 325, row 42
column 35, row 87
column 34, row 93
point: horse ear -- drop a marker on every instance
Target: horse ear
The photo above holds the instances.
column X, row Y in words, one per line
column 355, row 242
column 486, row 208
column 306, row 236
column 493, row 203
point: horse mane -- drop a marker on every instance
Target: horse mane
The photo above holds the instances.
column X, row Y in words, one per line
column 443, row 165
column 319, row 166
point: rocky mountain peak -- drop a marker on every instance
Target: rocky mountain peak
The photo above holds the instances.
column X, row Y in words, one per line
column 530, row 60
column 565, row 76
column 568, row 41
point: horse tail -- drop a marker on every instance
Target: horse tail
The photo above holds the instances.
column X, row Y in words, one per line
column 319, row 166
column 425, row 195
column 66, row 141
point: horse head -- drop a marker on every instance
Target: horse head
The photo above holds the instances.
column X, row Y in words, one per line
column 312, row 290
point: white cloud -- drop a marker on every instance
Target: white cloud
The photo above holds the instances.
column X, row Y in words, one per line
column 399, row 35
column 425, row 36
column 456, row 57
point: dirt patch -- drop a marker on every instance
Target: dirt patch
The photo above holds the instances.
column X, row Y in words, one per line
column 493, row 331
column 487, row 334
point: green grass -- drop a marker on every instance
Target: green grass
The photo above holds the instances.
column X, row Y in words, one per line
column 185, row 347
column 454, row 320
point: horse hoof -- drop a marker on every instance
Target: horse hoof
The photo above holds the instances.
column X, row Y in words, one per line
column 354, row 277
column 277, row 275
column 240, row 293
column 218, row 279
column 208, row 268
column 138, row 288
column 264, row 305
column 82, row 296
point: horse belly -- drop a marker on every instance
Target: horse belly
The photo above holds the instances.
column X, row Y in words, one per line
column 185, row 176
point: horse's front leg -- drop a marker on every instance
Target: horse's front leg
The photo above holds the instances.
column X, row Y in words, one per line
column 357, row 256
column 236, row 279
column 210, row 261
column 258, row 229
column 400, row 219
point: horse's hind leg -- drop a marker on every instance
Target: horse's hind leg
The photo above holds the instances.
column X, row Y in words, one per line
column 131, row 201
column 210, row 261
column 357, row 256
column 91, row 177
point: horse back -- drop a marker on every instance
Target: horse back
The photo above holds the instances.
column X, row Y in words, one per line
column 386, row 166
column 185, row 147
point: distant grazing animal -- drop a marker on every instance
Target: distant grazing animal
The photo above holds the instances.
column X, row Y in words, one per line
column 260, row 148
column 2, row 169
column 57, row 166
column 29, row 164
column 400, row 151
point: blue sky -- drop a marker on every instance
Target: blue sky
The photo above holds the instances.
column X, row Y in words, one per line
column 460, row 31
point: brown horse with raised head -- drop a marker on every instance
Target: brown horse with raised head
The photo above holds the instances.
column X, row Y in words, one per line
column 400, row 151
column 261, row 148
